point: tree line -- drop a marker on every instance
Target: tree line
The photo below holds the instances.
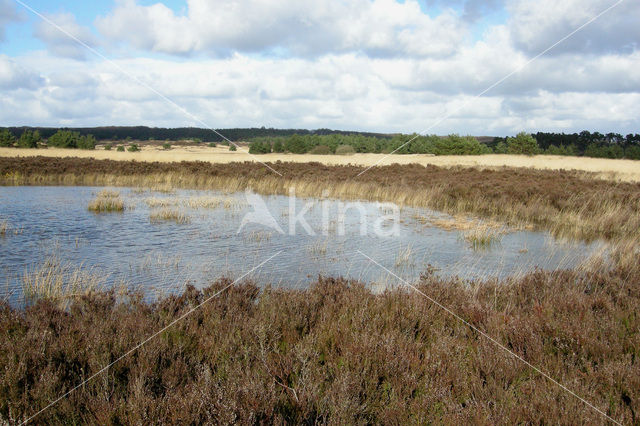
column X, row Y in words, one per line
column 585, row 143
column 398, row 144
column 326, row 141
column 33, row 139
column 143, row 133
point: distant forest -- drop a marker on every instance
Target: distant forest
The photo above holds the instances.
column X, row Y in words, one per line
column 325, row 141
column 143, row 133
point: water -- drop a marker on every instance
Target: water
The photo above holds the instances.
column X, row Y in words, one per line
column 163, row 257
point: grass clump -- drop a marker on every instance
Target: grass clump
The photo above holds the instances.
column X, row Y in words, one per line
column 4, row 227
column 166, row 146
column 108, row 147
column 120, row 148
column 404, row 257
column 133, row 148
column 59, row 281
column 212, row 145
column 482, row 237
column 107, row 201
column 168, row 215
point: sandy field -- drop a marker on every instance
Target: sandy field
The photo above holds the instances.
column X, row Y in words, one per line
column 625, row 170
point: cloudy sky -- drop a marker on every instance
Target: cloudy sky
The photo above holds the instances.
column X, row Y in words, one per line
column 373, row 65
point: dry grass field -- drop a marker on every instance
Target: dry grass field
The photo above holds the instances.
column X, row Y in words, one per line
column 623, row 170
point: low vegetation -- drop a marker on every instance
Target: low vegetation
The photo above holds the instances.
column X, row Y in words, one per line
column 107, row 202
column 4, row 227
column 482, row 237
column 335, row 353
column 59, row 282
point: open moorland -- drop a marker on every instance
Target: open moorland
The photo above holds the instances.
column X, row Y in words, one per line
column 618, row 169
column 335, row 352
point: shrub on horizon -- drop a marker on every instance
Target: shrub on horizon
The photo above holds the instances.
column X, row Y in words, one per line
column 523, row 143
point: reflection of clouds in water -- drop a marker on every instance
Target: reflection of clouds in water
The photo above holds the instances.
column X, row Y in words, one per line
column 126, row 247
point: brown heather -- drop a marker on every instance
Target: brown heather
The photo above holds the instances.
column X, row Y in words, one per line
column 335, row 353
column 568, row 203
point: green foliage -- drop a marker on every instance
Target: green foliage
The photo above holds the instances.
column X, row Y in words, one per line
column 604, row 151
column 108, row 147
column 632, row 152
column 212, row 145
column 345, row 150
column 259, row 147
column 133, row 148
column 7, row 139
column 459, row 145
column 561, row 150
column 278, row 146
column 87, row 142
column 296, row 145
column 523, row 143
column 120, row 148
column 69, row 139
column 166, row 146
column 29, row 139
column 232, row 147
column 501, row 148
column 320, row 150
column 63, row 139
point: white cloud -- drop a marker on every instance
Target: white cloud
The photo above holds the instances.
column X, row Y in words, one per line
column 62, row 44
column 376, row 28
column 13, row 76
column 346, row 91
column 536, row 25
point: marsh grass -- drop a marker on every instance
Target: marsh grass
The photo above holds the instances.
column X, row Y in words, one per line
column 107, row 201
column 4, row 227
column 482, row 237
column 318, row 247
column 169, row 215
column 59, row 281
column 257, row 236
column 201, row 202
column 404, row 257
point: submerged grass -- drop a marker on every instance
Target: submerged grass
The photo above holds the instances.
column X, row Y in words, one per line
column 336, row 353
column 169, row 215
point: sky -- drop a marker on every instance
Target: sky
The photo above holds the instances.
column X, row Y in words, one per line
column 429, row 66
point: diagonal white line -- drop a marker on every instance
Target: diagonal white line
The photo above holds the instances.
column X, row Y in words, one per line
column 137, row 80
column 515, row 71
column 494, row 341
column 139, row 345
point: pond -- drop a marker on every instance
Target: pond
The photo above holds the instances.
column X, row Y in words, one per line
column 224, row 234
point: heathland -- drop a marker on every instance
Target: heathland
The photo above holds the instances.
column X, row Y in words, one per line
column 335, row 352
column 626, row 170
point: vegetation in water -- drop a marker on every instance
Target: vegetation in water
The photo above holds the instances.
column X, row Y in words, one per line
column 107, row 202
